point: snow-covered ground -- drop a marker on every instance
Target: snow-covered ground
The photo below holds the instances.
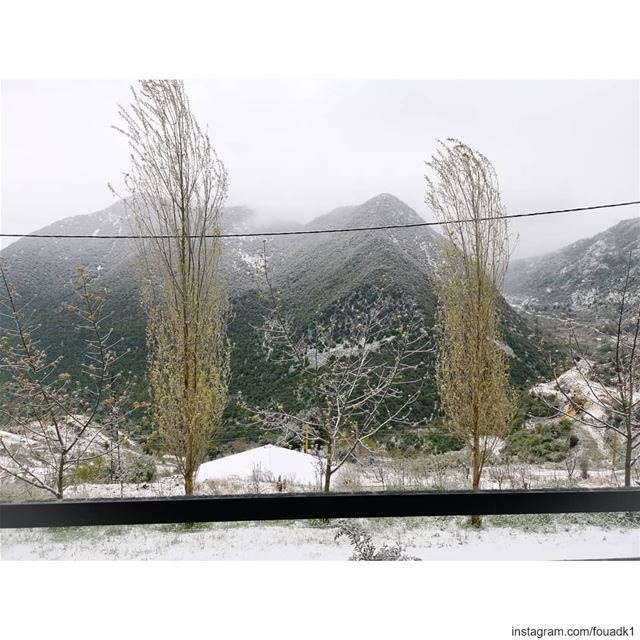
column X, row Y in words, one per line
column 353, row 478
column 501, row 538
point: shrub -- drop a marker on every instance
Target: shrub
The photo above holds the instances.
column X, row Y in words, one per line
column 363, row 547
column 138, row 469
column 90, row 472
column 583, row 463
column 434, row 438
column 548, row 442
column 528, row 406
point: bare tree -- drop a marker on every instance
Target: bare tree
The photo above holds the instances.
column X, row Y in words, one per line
column 570, row 463
column 500, row 471
column 357, row 372
column 178, row 186
column 612, row 400
column 55, row 421
column 472, row 371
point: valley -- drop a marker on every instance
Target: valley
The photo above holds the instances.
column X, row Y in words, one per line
column 332, row 279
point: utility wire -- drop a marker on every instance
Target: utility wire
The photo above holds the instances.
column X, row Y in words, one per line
column 307, row 232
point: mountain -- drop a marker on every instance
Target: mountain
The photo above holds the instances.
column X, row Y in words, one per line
column 321, row 276
column 329, row 268
column 582, row 279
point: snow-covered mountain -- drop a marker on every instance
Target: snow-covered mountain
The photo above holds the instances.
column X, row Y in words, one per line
column 320, row 275
column 582, row 278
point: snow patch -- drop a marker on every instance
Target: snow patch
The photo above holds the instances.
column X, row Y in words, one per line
column 265, row 462
column 254, row 261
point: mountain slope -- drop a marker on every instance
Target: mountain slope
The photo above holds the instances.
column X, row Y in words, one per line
column 326, row 268
column 321, row 276
column 582, row 278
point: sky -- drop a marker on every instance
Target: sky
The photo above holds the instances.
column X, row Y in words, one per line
column 296, row 149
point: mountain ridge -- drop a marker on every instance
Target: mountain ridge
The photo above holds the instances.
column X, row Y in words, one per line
column 582, row 277
column 321, row 276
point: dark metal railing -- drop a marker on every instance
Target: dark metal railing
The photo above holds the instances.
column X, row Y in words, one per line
column 302, row 506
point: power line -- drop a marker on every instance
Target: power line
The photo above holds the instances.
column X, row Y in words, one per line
column 307, row 232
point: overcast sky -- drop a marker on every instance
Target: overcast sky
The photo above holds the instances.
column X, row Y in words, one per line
column 297, row 149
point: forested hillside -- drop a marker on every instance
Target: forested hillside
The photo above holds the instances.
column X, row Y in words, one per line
column 322, row 278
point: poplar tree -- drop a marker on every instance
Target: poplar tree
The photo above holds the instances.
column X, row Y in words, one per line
column 472, row 369
column 177, row 188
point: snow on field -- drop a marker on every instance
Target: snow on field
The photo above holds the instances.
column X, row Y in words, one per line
column 162, row 487
column 427, row 539
column 267, row 462
column 12, row 438
column 173, row 485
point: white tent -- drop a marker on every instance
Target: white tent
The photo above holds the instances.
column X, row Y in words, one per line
column 267, row 463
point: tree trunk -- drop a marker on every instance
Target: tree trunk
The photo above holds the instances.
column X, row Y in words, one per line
column 186, row 359
column 476, row 471
column 627, row 459
column 476, row 466
column 327, row 470
column 327, row 476
column 120, row 475
column 189, row 467
column 327, row 481
column 60, row 479
column 188, row 484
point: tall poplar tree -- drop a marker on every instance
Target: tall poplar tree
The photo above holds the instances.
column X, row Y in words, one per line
column 472, row 370
column 177, row 187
